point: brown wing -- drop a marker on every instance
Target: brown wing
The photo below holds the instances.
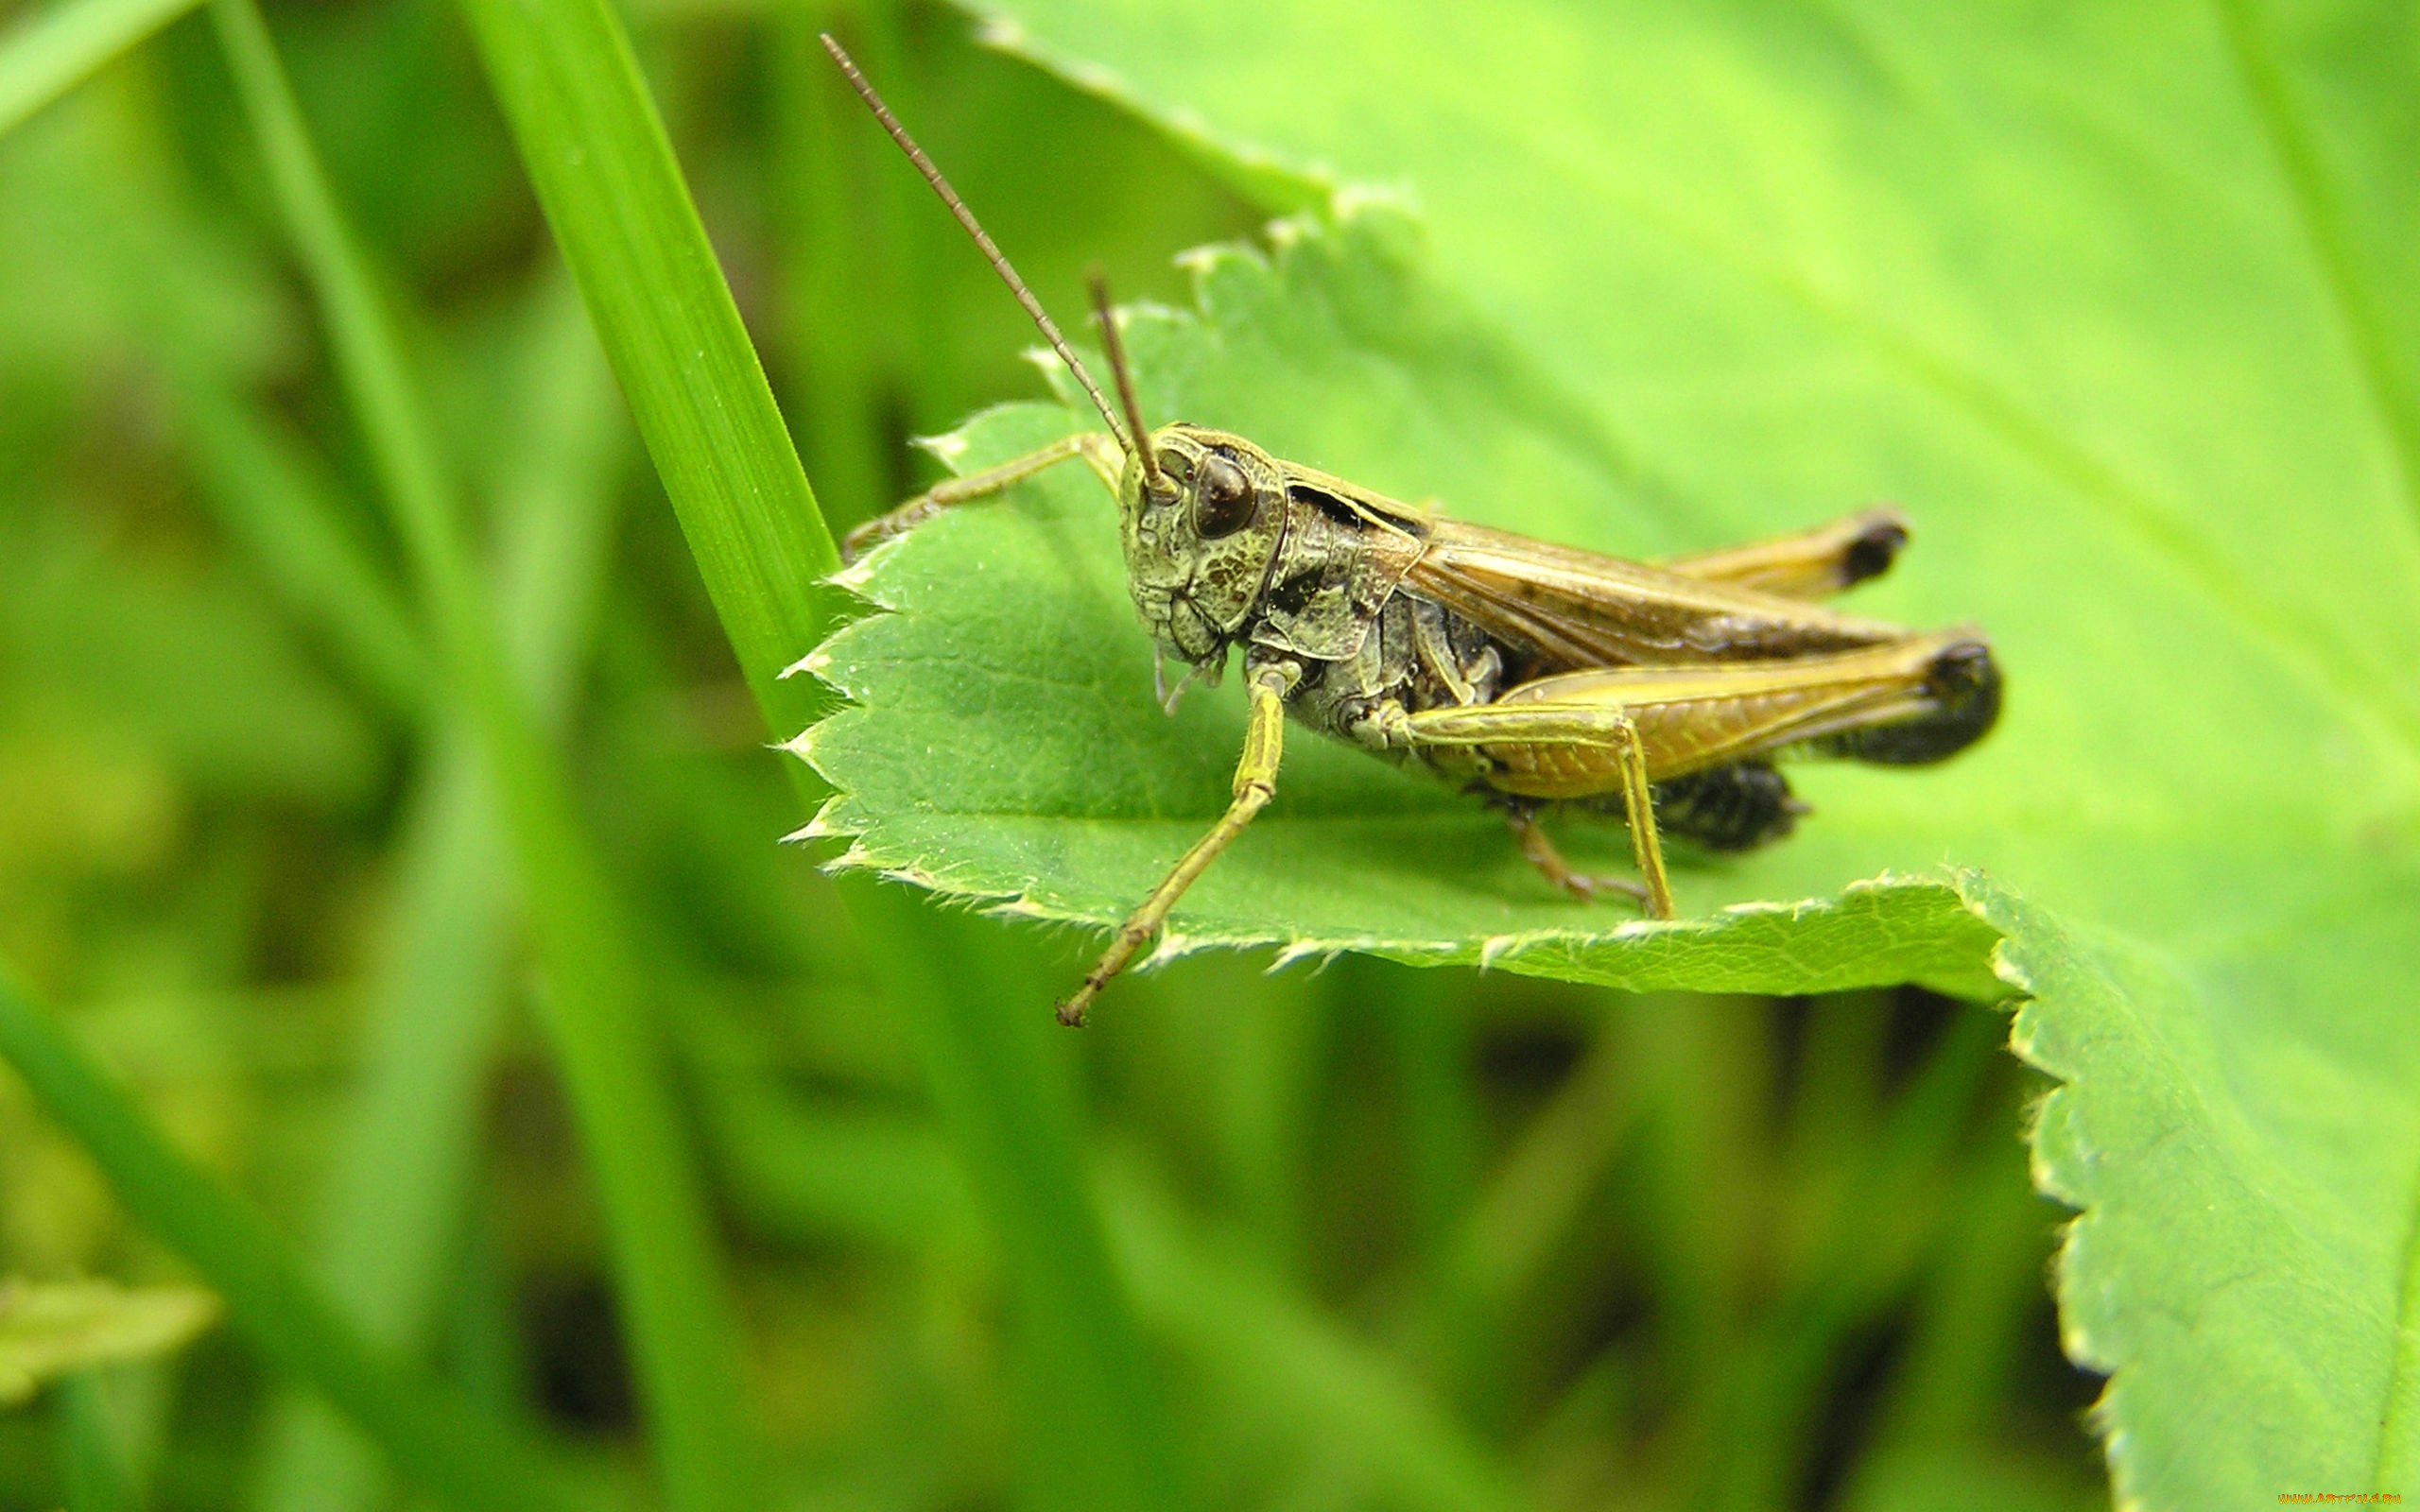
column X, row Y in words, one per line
column 1576, row 609
column 1807, row 564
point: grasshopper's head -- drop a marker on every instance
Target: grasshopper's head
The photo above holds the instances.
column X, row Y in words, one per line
column 1203, row 511
column 1200, row 535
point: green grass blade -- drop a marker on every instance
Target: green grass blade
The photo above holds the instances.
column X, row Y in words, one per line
column 288, row 1319
column 43, row 55
column 597, row 154
column 559, row 503
column 684, row 1340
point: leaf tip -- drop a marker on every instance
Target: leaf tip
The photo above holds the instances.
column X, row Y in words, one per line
column 824, row 826
column 1171, row 946
column 856, row 578
column 1296, row 949
column 1054, row 373
column 801, row 744
column 1204, row 262
column 1351, row 201
column 855, row 858
column 1006, row 33
column 947, row 447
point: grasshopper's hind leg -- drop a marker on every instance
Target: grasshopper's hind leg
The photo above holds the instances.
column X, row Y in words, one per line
column 1521, row 817
column 1256, row 784
column 1099, row 451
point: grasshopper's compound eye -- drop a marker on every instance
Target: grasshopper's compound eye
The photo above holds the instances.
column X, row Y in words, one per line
column 1223, row 498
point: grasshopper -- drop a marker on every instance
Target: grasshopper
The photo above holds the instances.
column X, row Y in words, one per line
column 1540, row 675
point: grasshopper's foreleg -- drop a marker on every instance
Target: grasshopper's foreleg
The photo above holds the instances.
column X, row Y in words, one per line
column 1100, row 451
column 1256, row 784
column 1597, row 727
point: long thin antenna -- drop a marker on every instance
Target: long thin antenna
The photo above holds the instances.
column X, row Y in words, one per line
column 1115, row 346
column 974, row 229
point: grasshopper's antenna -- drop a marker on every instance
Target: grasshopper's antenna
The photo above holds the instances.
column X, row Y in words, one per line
column 983, row 240
column 1115, row 346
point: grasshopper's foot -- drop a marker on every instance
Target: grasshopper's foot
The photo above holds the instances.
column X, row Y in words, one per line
column 1072, row 1012
column 889, row 526
column 1541, row 853
column 1131, row 936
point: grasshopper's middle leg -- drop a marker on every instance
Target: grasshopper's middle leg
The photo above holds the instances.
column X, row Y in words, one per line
column 1256, row 784
column 1522, row 818
column 1601, row 727
column 1097, row 450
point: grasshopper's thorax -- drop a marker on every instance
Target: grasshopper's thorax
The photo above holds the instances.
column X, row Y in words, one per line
column 1198, row 546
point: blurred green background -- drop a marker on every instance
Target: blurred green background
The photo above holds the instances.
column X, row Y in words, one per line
column 1387, row 1238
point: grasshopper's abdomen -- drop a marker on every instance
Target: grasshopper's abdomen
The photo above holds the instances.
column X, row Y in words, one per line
column 1723, row 808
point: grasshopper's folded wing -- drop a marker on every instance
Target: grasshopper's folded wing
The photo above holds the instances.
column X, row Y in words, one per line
column 1807, row 564
column 1578, row 609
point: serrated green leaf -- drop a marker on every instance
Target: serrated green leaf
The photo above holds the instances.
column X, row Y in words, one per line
column 2119, row 303
column 66, row 1326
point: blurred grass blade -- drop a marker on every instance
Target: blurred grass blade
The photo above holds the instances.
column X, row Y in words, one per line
column 685, row 1344
column 259, row 481
column 1536, row 1194
column 560, row 502
column 265, row 491
column 598, row 156
column 96, row 1473
column 836, row 393
column 405, row 1157
column 45, row 54
column 1089, row 1427
column 1294, row 1366
column 281, row 1314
